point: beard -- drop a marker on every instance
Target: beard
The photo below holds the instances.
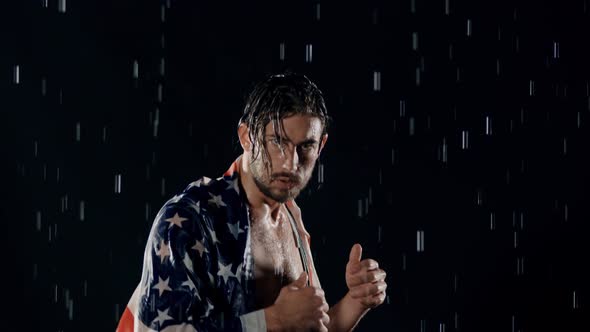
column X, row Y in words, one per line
column 264, row 181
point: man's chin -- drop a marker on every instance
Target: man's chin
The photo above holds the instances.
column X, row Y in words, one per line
column 283, row 196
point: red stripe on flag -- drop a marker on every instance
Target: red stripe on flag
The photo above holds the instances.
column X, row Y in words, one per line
column 126, row 322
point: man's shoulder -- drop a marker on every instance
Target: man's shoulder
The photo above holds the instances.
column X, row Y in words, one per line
column 200, row 206
column 207, row 195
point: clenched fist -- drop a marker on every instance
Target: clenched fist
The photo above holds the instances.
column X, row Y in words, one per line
column 365, row 280
column 298, row 308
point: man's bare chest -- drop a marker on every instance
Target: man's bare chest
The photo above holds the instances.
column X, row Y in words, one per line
column 276, row 259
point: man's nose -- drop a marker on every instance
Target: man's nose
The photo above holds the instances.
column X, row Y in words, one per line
column 291, row 159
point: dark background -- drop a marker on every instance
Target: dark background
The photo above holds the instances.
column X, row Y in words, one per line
column 503, row 208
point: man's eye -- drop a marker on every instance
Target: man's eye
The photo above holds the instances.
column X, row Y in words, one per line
column 276, row 142
column 308, row 146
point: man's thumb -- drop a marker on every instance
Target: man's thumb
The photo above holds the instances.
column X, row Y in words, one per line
column 355, row 253
column 301, row 281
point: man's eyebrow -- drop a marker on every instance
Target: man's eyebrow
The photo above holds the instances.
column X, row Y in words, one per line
column 307, row 141
column 276, row 136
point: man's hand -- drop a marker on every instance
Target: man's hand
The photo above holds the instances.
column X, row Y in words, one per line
column 298, row 308
column 365, row 281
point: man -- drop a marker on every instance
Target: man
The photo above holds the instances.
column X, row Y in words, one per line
column 232, row 254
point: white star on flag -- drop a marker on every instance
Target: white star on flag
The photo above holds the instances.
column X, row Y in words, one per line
column 233, row 184
column 209, row 308
column 213, row 236
column 188, row 261
column 196, row 206
column 162, row 286
column 216, row 199
column 163, row 252
column 176, row 220
column 204, row 180
column 162, row 317
column 175, row 199
column 225, row 271
column 200, row 248
column 235, row 229
column 189, row 283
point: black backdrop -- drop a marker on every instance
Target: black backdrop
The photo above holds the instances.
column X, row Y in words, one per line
column 457, row 156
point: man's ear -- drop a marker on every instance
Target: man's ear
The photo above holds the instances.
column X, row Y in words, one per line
column 323, row 143
column 244, row 137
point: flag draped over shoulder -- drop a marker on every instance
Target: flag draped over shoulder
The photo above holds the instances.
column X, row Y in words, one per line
column 198, row 269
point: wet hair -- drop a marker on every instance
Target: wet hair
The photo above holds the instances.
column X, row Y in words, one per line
column 278, row 97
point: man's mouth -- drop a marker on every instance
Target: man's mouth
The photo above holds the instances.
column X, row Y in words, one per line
column 286, row 181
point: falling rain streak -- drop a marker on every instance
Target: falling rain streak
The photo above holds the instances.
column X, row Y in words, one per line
column 78, row 132
column 320, row 173
column 282, row 51
column 308, row 53
column 81, row 215
column 160, row 92
column 61, row 6
column 64, row 203
column 464, row 140
column 317, row 11
column 162, row 66
column 16, row 74
column 519, row 266
column 118, row 183
column 575, row 300
column 376, row 81
column 38, row 220
column 555, row 50
column 135, row 69
column 420, row 241
column 156, row 122
column 402, row 108
column 403, row 262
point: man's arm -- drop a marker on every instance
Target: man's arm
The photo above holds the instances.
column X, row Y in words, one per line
column 177, row 291
column 366, row 290
column 346, row 314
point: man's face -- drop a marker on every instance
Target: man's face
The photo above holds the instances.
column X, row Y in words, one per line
column 292, row 160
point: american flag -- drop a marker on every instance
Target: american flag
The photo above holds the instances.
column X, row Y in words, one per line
column 198, row 272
